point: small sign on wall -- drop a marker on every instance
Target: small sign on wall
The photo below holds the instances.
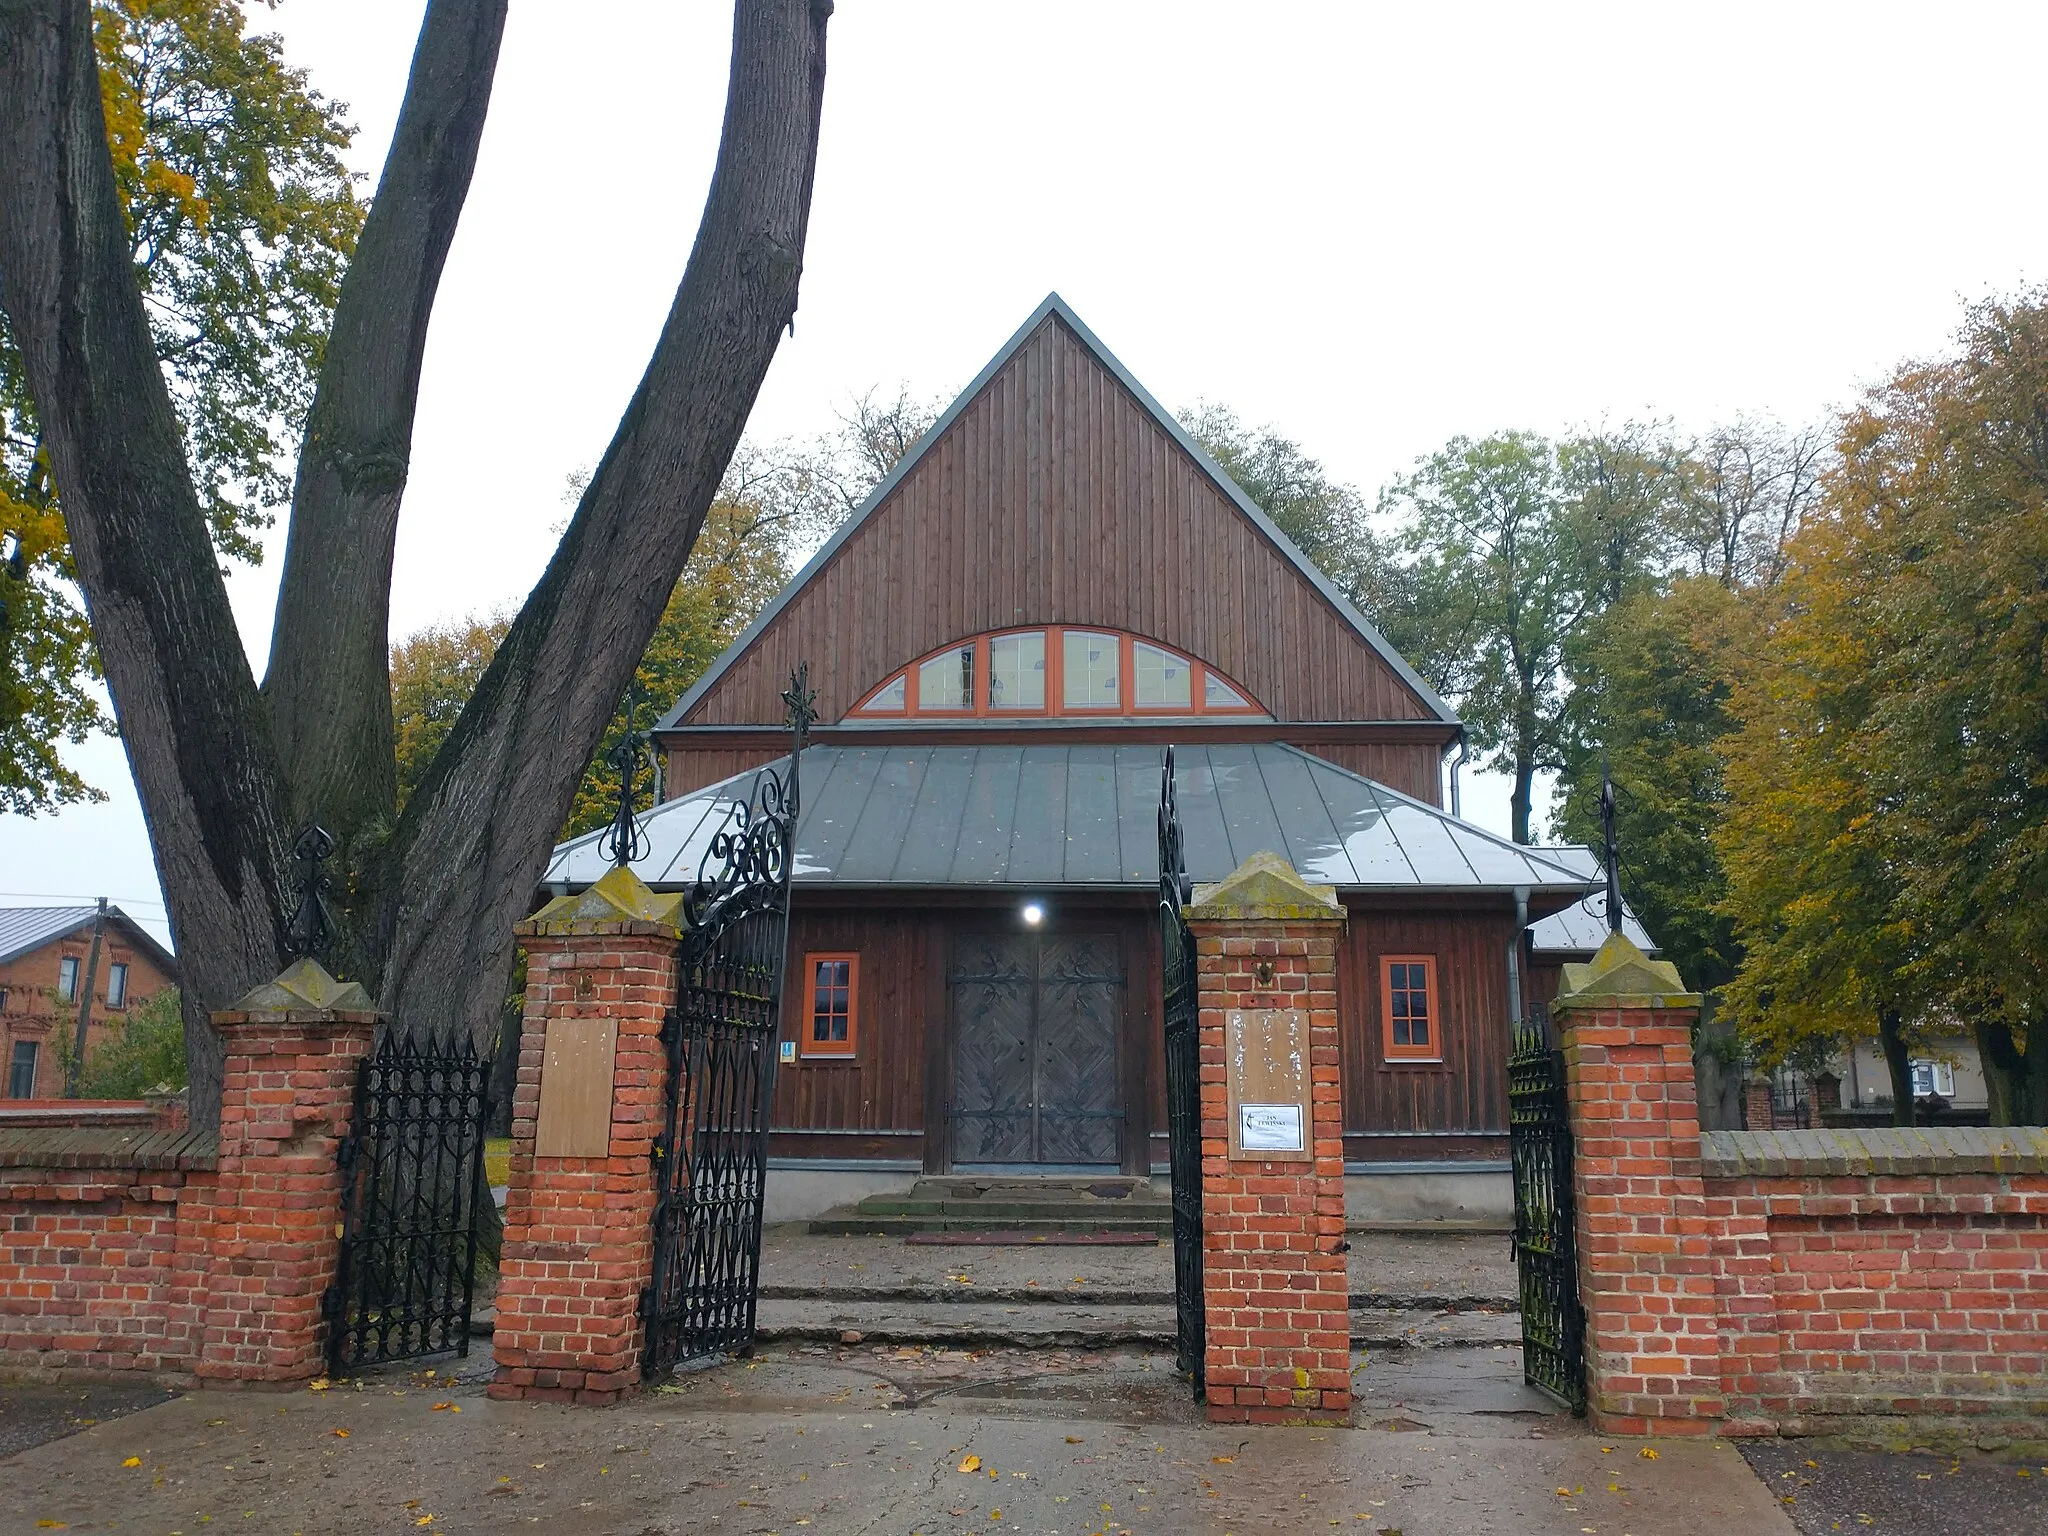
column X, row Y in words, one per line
column 1266, row 1074
column 786, row 1051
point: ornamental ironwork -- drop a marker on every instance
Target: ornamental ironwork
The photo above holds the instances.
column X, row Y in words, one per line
column 1544, row 1244
column 412, row 1170
column 1183, row 1083
column 710, row 1159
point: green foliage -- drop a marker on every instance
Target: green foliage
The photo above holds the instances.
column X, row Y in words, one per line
column 433, row 673
column 1512, row 546
column 242, row 218
column 1652, row 681
column 143, row 1050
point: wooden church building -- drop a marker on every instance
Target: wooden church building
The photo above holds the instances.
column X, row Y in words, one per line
column 1052, row 586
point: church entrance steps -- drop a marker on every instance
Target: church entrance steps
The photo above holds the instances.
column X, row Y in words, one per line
column 1010, row 1204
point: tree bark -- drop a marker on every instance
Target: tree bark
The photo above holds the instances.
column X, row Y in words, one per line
column 328, row 684
column 2005, row 1070
column 477, row 833
column 1898, row 1061
column 191, row 718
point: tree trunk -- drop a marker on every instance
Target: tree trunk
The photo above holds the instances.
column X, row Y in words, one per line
column 433, row 934
column 191, row 719
column 478, row 831
column 2005, row 1070
column 1898, row 1061
column 329, row 684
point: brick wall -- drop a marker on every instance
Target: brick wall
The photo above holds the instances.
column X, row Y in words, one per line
column 1277, row 1323
column 1895, row 1276
column 579, row 1246
column 188, row 1255
column 98, row 1275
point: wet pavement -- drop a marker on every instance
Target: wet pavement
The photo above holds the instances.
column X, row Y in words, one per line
column 875, row 1440
column 32, row 1415
column 1893, row 1494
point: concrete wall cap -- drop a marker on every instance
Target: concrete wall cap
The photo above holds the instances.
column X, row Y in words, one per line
column 304, row 987
column 1873, row 1150
column 1264, row 886
column 619, row 896
column 1622, row 976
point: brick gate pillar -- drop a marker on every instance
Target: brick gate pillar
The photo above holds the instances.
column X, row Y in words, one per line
column 264, row 1243
column 579, row 1242
column 1645, row 1261
column 1274, row 1285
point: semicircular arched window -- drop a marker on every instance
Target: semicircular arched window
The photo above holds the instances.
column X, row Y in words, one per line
column 1061, row 670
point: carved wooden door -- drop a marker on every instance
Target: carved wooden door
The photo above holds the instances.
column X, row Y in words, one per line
column 1035, row 1020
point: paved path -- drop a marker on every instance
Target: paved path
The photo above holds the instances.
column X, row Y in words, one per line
column 1825, row 1491
column 870, row 1441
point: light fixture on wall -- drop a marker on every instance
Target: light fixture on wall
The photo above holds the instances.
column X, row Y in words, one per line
column 1034, row 913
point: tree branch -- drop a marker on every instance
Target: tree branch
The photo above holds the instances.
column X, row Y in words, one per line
column 328, row 684
column 191, row 718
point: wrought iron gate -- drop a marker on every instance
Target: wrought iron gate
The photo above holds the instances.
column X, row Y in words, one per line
column 1545, row 1248
column 711, row 1158
column 1183, row 1083
column 412, row 1169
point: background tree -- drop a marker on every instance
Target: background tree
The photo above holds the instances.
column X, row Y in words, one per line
column 1815, row 890
column 1512, row 544
column 1946, row 475
column 239, row 217
column 225, row 770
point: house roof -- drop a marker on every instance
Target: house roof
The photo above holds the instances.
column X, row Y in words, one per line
column 26, row 929
column 1087, row 817
column 1054, row 305
column 1581, row 928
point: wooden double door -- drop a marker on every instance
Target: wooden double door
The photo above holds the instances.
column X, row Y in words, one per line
column 1036, row 1020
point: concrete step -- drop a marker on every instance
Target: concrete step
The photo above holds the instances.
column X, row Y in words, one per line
column 965, row 1203
column 847, row 1221
column 1070, row 1323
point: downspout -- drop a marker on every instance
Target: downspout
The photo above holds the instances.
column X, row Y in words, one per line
column 1464, row 752
column 1515, row 956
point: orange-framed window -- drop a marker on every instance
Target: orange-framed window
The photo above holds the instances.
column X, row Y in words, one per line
column 832, row 1006
column 1411, row 1008
column 1056, row 670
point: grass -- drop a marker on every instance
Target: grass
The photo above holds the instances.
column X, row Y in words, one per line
column 498, row 1160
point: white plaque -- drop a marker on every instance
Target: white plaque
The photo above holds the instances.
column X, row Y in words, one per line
column 1269, row 1127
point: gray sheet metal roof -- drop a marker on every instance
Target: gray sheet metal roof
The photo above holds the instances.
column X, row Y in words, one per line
column 1087, row 816
column 25, row 929
column 1582, row 928
column 1053, row 304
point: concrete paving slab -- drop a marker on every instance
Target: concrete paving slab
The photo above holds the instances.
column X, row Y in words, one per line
column 808, row 1440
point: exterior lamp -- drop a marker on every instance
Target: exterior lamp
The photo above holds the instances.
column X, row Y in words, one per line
column 1034, row 913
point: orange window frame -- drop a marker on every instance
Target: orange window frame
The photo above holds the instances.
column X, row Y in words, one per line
column 808, row 1043
column 1433, row 1012
column 1056, row 706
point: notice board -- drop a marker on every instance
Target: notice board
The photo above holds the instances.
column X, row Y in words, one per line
column 576, row 1088
column 1266, row 1074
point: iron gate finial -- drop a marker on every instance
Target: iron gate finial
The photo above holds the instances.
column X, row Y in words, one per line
column 625, row 843
column 1612, row 850
column 311, row 926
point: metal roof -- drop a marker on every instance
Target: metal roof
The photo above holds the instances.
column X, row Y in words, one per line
column 25, row 929
column 1581, row 929
column 1053, row 304
column 1087, row 816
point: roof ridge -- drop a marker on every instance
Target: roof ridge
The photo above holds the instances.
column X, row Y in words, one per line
column 1052, row 306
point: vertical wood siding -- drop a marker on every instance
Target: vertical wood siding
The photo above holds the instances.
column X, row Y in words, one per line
column 1412, row 768
column 1467, row 1092
column 1055, row 497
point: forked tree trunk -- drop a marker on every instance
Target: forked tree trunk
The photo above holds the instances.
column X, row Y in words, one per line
column 223, row 777
column 1898, row 1060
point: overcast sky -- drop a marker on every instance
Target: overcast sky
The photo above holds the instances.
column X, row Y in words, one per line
column 1374, row 227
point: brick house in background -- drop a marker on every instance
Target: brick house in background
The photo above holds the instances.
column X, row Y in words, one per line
column 45, row 955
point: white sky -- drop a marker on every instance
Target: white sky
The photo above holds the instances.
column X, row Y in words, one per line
column 1372, row 226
